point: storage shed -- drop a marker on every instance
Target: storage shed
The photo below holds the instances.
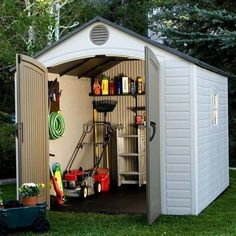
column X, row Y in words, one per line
column 184, row 102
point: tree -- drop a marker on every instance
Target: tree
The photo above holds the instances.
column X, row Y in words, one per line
column 131, row 14
column 28, row 26
column 18, row 30
column 204, row 29
column 10, row 11
column 7, row 147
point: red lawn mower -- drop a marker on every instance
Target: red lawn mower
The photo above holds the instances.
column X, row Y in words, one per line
column 82, row 183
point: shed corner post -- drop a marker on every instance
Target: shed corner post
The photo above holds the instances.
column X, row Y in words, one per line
column 193, row 130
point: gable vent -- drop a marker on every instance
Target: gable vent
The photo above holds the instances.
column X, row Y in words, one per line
column 99, row 34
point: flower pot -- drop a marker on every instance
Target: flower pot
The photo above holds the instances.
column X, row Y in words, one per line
column 29, row 201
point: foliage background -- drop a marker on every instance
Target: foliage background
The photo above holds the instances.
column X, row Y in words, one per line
column 7, row 147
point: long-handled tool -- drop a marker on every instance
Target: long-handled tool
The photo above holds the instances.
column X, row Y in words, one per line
column 104, row 106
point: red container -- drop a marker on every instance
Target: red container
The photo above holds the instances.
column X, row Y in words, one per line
column 139, row 119
column 103, row 177
column 105, row 181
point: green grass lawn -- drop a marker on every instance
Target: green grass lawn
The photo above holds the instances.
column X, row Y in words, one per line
column 218, row 219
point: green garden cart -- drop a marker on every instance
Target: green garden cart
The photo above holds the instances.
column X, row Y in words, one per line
column 14, row 216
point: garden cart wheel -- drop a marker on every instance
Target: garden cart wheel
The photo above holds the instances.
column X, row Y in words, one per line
column 41, row 225
column 97, row 187
column 3, row 229
column 84, row 192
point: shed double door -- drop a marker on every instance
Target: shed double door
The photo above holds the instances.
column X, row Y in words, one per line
column 32, row 115
column 32, row 124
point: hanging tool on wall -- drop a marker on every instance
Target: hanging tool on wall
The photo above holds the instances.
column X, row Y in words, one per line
column 58, row 95
column 51, row 93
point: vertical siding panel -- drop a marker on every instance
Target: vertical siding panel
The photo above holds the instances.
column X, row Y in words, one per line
column 212, row 141
column 177, row 123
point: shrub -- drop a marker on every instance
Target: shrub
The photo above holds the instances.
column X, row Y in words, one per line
column 7, row 147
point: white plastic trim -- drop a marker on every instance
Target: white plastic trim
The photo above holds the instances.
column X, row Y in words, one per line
column 193, row 121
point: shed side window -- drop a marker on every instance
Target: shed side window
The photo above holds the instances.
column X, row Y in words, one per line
column 214, row 112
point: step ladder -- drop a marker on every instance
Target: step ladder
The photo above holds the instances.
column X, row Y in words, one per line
column 131, row 164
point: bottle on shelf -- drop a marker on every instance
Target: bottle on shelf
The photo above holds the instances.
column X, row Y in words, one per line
column 132, row 86
column 129, row 85
column 139, row 85
column 125, row 85
column 118, row 85
column 112, row 87
column 105, row 84
column 96, row 87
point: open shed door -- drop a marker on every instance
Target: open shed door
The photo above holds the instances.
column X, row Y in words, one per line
column 32, row 123
column 153, row 136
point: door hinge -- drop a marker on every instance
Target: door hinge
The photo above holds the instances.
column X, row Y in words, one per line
column 19, row 58
column 19, row 131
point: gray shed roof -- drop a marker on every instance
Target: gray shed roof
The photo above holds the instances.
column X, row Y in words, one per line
column 127, row 31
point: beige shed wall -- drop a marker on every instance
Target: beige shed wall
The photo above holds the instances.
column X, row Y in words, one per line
column 76, row 108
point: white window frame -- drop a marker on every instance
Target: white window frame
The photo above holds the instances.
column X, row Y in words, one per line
column 214, row 108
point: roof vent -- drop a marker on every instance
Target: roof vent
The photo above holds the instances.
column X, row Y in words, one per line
column 99, row 34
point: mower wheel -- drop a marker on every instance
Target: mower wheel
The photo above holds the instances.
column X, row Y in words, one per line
column 3, row 229
column 97, row 187
column 84, row 192
column 41, row 225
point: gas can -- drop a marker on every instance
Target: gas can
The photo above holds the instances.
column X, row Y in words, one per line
column 105, row 82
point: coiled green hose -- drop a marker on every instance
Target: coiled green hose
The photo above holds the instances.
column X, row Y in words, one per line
column 56, row 125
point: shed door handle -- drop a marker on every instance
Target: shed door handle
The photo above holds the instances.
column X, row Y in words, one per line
column 153, row 125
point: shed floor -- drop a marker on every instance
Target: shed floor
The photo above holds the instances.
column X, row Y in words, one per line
column 127, row 199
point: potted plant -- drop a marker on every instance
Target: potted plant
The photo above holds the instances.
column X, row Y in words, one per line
column 29, row 193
